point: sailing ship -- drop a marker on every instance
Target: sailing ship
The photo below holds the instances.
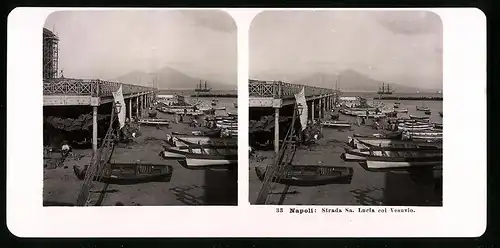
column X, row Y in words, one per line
column 199, row 88
column 385, row 91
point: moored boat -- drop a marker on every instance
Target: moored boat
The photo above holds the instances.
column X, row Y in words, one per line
column 364, row 143
column 199, row 140
column 401, row 110
column 393, row 152
column 154, row 122
column 419, row 117
column 428, row 112
column 310, row 175
column 336, row 124
column 423, row 108
column 130, row 173
column 203, row 156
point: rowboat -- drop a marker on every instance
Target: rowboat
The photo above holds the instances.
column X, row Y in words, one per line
column 421, row 128
column 219, row 108
column 419, row 117
column 154, row 121
column 310, row 175
column 438, row 125
column 130, row 173
column 393, row 152
column 377, row 116
column 336, row 124
column 199, row 140
column 423, row 108
column 394, row 135
column 428, row 159
column 364, row 143
column 202, row 156
column 428, row 112
column 401, row 110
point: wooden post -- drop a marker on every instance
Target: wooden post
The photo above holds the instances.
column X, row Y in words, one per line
column 130, row 108
column 312, row 110
column 137, row 106
column 94, row 129
column 320, row 107
column 276, row 131
column 324, row 106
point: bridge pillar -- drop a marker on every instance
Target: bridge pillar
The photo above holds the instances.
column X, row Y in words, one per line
column 130, row 108
column 312, row 110
column 276, row 131
column 94, row 129
column 320, row 103
column 137, row 106
column 324, row 106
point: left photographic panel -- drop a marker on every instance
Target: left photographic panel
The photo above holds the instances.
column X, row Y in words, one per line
column 140, row 108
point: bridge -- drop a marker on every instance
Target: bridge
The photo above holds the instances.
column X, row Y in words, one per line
column 278, row 94
column 94, row 93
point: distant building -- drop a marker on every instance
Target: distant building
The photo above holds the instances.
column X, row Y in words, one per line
column 50, row 54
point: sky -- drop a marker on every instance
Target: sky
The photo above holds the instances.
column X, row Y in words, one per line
column 109, row 44
column 403, row 47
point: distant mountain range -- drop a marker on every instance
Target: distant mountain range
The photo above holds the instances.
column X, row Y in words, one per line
column 348, row 80
column 169, row 79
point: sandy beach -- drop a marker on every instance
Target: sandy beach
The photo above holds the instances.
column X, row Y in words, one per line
column 366, row 188
column 186, row 187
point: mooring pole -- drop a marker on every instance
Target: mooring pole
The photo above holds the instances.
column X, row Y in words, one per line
column 130, row 109
column 312, row 110
column 137, row 106
column 276, row 131
column 94, row 129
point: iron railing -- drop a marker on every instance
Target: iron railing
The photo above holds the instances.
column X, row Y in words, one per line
column 83, row 87
column 282, row 90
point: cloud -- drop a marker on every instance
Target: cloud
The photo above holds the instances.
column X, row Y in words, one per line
column 409, row 22
column 213, row 19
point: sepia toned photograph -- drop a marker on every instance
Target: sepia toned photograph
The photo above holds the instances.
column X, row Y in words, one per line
column 140, row 108
column 346, row 108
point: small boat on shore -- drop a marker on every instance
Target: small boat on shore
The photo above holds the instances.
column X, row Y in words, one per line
column 365, row 143
column 423, row 108
column 419, row 117
column 130, row 173
column 410, row 159
column 202, row 156
column 438, row 125
column 428, row 112
column 199, row 140
column 310, row 175
column 394, row 152
column 336, row 124
column 401, row 110
column 154, row 122
column 393, row 135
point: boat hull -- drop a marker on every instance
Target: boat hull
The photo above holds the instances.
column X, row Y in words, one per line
column 373, row 164
column 130, row 173
column 310, row 175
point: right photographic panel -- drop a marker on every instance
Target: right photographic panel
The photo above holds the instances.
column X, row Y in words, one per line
column 345, row 108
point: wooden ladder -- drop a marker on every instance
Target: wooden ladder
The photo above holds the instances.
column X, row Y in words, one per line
column 89, row 194
column 274, row 173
